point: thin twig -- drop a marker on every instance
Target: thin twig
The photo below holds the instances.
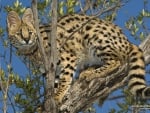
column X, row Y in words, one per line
column 108, row 9
column 12, row 104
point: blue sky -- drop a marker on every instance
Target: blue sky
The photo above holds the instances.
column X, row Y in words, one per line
column 132, row 8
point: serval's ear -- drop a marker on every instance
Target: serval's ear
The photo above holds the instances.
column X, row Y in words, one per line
column 28, row 17
column 13, row 22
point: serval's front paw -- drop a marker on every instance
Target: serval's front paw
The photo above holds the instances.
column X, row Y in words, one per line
column 61, row 92
column 58, row 99
column 87, row 74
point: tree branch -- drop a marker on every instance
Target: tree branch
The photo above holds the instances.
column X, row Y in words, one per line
column 82, row 94
column 50, row 106
column 145, row 46
column 49, row 59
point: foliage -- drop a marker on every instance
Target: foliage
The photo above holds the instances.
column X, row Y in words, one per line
column 68, row 5
column 137, row 25
column 17, row 6
column 129, row 103
column 29, row 91
column 31, row 95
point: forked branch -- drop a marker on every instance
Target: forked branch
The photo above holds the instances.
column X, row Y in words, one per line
column 83, row 94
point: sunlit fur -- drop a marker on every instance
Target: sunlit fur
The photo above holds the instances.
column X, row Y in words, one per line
column 82, row 42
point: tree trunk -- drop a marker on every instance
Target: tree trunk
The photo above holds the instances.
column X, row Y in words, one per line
column 49, row 60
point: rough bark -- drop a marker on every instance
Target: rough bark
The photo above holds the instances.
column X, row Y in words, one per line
column 145, row 46
column 49, row 60
column 82, row 94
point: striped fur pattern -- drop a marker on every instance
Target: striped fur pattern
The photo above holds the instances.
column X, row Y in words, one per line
column 82, row 42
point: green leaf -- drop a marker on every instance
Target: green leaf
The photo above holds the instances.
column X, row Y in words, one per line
column 140, row 19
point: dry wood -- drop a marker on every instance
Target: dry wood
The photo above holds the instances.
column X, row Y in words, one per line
column 49, row 61
column 145, row 46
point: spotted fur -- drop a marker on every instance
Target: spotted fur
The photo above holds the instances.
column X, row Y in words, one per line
column 82, row 42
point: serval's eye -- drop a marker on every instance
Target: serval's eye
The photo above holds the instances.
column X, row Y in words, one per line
column 30, row 32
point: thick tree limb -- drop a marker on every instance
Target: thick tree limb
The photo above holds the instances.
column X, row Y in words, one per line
column 145, row 46
column 83, row 94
